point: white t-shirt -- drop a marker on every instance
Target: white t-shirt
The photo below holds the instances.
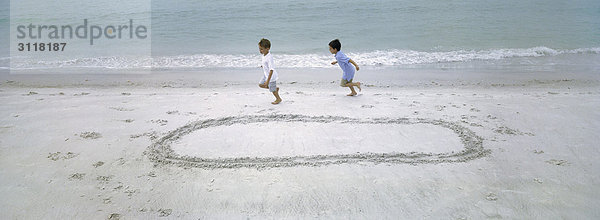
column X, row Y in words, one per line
column 267, row 65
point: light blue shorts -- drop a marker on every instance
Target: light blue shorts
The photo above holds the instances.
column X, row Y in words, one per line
column 272, row 84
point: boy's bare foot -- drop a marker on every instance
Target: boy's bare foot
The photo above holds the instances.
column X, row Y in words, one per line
column 352, row 94
column 277, row 99
column 358, row 86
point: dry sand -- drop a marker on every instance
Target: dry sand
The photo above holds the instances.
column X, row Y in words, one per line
column 153, row 147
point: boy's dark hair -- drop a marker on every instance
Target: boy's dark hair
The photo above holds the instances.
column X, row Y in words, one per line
column 335, row 44
column 264, row 43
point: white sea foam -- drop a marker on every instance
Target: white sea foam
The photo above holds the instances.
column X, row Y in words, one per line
column 374, row 58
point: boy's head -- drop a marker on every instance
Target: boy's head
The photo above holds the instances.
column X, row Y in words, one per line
column 335, row 46
column 264, row 46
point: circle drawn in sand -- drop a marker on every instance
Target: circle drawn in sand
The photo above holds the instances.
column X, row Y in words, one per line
column 160, row 150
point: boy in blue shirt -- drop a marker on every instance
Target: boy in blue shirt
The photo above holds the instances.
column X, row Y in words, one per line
column 334, row 47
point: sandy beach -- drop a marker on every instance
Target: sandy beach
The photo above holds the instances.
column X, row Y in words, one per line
column 149, row 109
column 414, row 144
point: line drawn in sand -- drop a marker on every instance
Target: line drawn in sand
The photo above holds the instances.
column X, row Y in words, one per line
column 160, row 151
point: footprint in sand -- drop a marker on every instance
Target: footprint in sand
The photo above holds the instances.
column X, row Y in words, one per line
column 114, row 216
column 173, row 112
column 104, row 179
column 81, row 94
column 58, row 155
column 131, row 192
column 161, row 122
column 164, row 212
column 77, row 176
column 190, row 113
column 509, row 131
column 475, row 125
column 98, row 164
column 90, row 135
column 121, row 161
column 491, row 197
column 118, row 187
column 558, row 162
column 151, row 174
column 107, row 200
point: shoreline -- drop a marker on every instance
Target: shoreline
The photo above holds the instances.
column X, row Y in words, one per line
column 429, row 76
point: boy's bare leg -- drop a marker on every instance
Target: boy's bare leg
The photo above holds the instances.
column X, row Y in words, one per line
column 277, row 98
column 357, row 84
column 353, row 93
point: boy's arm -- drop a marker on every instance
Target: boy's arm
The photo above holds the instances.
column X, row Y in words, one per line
column 265, row 85
column 270, row 65
column 269, row 79
column 353, row 63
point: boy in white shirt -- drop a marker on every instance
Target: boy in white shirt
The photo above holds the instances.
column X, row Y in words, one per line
column 269, row 80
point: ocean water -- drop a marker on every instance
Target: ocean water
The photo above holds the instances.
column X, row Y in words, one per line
column 191, row 34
